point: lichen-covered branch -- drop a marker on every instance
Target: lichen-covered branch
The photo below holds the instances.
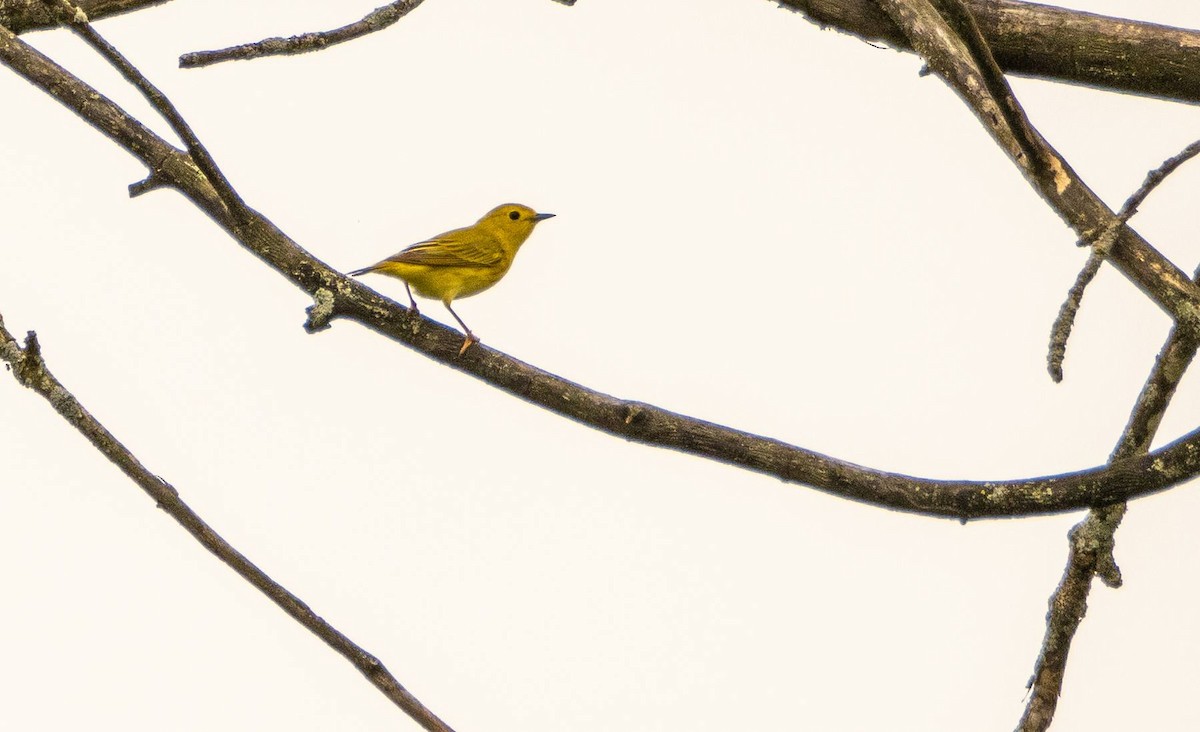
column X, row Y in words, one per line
column 1091, row 542
column 1087, row 541
column 1064, row 322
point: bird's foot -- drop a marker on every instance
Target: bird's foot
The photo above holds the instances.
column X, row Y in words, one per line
column 471, row 338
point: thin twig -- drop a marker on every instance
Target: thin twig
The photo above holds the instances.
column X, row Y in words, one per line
column 29, row 368
column 1155, row 177
column 1061, row 330
column 1060, row 333
column 376, row 20
column 631, row 420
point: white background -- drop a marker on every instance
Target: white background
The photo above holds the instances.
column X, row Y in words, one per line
column 760, row 223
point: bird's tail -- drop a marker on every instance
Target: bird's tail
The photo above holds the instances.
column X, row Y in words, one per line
column 362, row 271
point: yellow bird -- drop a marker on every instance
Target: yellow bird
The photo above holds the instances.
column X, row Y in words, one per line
column 462, row 262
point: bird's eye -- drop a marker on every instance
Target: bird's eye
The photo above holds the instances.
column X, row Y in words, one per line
column 514, row 215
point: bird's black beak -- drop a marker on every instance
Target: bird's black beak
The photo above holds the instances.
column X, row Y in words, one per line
column 542, row 217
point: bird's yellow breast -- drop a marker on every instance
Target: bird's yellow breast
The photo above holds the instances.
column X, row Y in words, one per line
column 444, row 283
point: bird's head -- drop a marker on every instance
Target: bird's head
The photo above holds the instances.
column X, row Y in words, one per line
column 512, row 221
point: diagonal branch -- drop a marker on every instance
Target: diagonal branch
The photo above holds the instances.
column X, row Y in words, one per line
column 338, row 296
column 376, row 20
column 1047, row 42
column 30, row 370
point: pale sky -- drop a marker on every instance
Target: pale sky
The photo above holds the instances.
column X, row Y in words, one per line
column 760, row 223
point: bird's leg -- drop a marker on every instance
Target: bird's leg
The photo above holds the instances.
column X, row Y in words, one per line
column 415, row 310
column 471, row 337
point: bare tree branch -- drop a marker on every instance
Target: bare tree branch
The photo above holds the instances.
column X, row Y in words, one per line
column 1047, row 42
column 1092, row 541
column 376, row 20
column 339, row 296
column 30, row 370
column 20, row 16
column 945, row 33
column 959, row 49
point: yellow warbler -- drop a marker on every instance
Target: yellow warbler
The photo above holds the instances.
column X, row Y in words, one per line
column 462, row 262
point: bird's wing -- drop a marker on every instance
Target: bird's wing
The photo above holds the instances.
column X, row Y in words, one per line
column 449, row 250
